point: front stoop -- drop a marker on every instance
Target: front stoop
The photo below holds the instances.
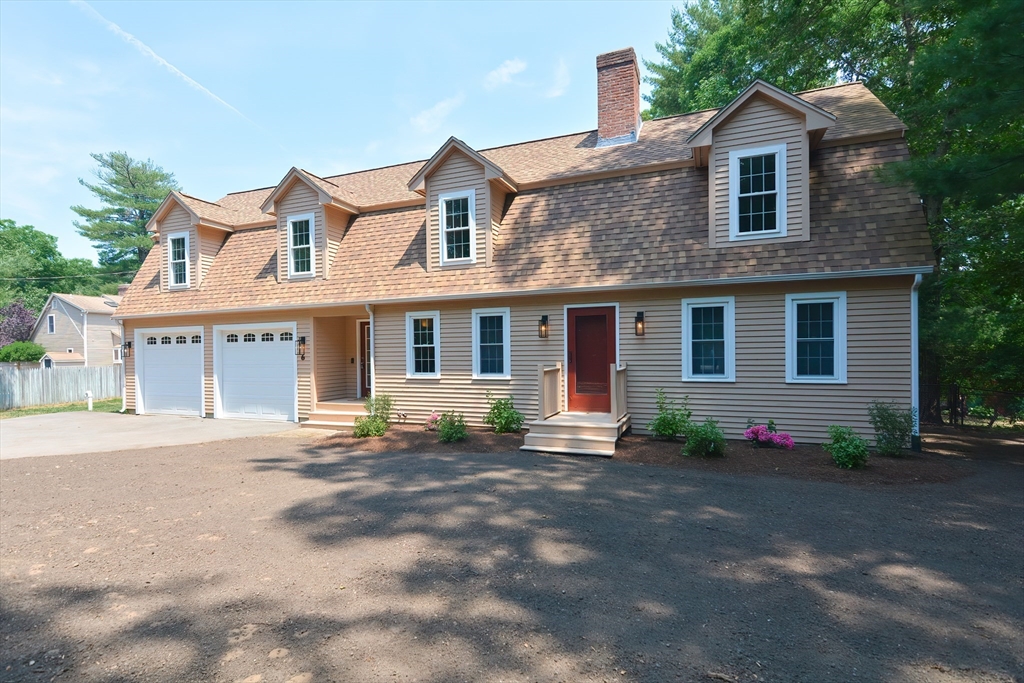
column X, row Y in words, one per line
column 576, row 433
column 335, row 414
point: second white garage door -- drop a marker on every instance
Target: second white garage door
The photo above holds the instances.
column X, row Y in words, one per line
column 256, row 372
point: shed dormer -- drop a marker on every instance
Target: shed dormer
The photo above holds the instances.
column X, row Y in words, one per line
column 757, row 150
column 312, row 215
column 465, row 194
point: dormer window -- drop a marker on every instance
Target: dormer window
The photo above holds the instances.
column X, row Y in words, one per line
column 177, row 247
column 300, row 245
column 458, row 227
column 757, row 192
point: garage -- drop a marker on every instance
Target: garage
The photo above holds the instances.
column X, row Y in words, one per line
column 255, row 372
column 170, row 371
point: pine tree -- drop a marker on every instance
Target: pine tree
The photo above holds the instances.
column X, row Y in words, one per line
column 130, row 191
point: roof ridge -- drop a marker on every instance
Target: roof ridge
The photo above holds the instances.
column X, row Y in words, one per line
column 318, row 177
column 375, row 168
column 204, row 201
column 829, row 87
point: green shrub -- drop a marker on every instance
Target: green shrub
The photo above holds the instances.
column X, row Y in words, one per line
column 673, row 419
column 22, row 352
column 503, row 415
column 846, row 447
column 452, row 427
column 378, row 418
column 893, row 427
column 705, row 440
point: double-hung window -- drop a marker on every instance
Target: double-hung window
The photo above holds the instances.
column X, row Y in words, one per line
column 757, row 192
column 816, row 337
column 423, row 344
column 709, row 339
column 177, row 250
column 51, row 323
column 491, row 343
column 301, row 237
column 457, row 221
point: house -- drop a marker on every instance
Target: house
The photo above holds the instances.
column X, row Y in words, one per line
column 78, row 330
column 747, row 257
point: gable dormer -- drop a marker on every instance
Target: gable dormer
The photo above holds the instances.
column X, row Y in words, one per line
column 312, row 214
column 190, row 233
column 757, row 150
column 465, row 194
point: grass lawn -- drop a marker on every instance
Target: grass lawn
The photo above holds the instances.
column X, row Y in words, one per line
column 107, row 405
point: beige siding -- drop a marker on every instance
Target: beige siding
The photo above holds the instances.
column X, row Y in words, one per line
column 458, row 172
column 300, row 199
column 177, row 221
column 758, row 124
column 878, row 344
column 68, row 328
column 101, row 341
column 304, row 328
column 335, row 340
column 336, row 223
column 210, row 242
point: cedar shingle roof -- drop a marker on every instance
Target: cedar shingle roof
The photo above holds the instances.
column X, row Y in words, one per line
column 646, row 228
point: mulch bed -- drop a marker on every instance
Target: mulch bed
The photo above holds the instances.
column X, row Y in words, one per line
column 948, row 454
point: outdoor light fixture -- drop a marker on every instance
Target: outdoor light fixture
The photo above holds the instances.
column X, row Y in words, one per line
column 543, row 328
column 126, row 349
column 638, row 324
column 300, row 347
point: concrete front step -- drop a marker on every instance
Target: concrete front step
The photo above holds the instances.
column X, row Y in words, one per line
column 335, row 414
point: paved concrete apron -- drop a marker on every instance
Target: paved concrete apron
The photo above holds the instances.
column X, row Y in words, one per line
column 85, row 432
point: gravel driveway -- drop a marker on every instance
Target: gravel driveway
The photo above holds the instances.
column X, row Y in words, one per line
column 268, row 559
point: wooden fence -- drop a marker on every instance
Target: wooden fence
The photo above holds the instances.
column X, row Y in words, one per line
column 25, row 387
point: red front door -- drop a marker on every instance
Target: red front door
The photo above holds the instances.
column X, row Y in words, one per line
column 591, row 353
column 364, row 358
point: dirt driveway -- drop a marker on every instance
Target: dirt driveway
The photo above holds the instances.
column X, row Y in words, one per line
column 268, row 559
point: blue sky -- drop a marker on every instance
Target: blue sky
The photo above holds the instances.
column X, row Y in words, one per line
column 229, row 96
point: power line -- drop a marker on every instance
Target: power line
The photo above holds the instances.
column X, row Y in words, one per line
column 68, row 277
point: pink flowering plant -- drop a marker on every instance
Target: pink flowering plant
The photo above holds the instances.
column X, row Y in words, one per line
column 431, row 424
column 761, row 435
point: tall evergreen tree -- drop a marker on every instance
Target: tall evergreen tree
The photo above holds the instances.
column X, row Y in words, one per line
column 130, row 191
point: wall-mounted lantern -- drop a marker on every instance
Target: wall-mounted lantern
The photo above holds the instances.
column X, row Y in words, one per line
column 300, row 348
column 638, row 324
column 126, row 349
column 543, row 328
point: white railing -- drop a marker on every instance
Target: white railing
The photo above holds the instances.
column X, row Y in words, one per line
column 618, row 392
column 25, row 387
column 549, row 380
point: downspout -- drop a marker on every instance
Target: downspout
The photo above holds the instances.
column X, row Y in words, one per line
column 85, row 336
column 373, row 370
column 915, row 389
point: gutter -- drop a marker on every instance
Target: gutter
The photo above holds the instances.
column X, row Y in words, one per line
column 915, row 379
column 753, row 279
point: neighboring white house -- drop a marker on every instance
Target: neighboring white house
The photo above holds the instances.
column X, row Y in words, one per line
column 77, row 330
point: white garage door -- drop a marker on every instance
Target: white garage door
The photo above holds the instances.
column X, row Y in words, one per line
column 256, row 374
column 172, row 371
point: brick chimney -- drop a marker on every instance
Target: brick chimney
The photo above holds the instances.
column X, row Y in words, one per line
column 122, row 289
column 618, row 98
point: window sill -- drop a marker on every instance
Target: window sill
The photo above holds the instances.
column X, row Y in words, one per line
column 460, row 262
column 177, row 287
column 764, row 234
column 709, row 379
column 496, row 378
column 815, row 380
column 301, row 276
column 412, row 376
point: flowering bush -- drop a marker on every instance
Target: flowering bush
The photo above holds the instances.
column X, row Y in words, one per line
column 762, row 436
column 431, row 425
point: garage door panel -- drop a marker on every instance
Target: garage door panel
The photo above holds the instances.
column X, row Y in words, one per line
column 257, row 378
column 172, row 375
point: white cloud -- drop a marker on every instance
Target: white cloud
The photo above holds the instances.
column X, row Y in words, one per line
column 146, row 50
column 429, row 120
column 562, row 80
column 504, row 73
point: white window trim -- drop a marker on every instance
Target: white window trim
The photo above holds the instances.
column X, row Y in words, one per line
column 292, row 275
column 781, row 174
column 410, row 364
column 51, row 324
column 471, row 195
column 117, row 354
column 170, row 263
column 506, row 342
column 838, row 331
column 729, row 302
column 70, row 350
